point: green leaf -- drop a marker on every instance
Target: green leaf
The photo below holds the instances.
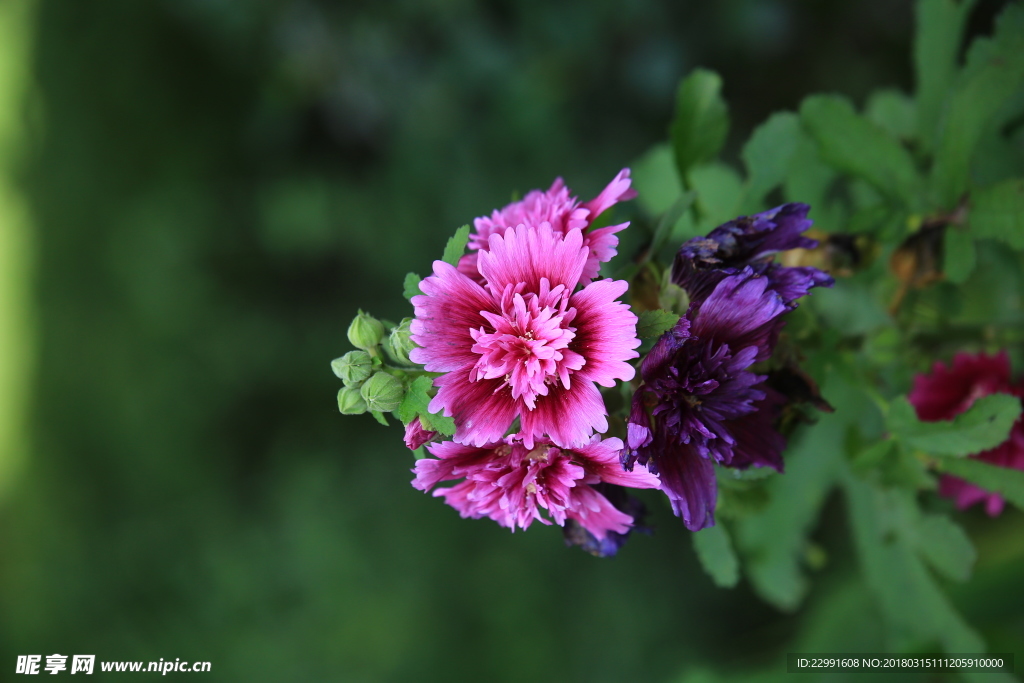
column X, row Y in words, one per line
column 958, row 257
column 997, row 212
column 667, row 222
column 439, row 423
column 808, row 180
column 773, row 542
column 945, row 546
column 940, row 27
column 379, row 416
column 656, row 180
column 915, row 608
column 1007, row 482
column 416, row 399
column 858, row 147
column 653, row 324
column 416, row 404
column 714, row 549
column 701, row 120
column 750, row 474
column 985, row 425
column 851, row 305
column 889, row 464
column 456, row 246
column 893, row 111
column 994, row 71
column 719, row 191
column 411, row 285
column 874, row 456
column 768, row 154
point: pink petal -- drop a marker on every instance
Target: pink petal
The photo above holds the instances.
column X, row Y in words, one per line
column 605, row 332
column 595, row 514
column 568, row 417
column 618, row 190
column 523, row 256
column 483, row 410
column 448, row 308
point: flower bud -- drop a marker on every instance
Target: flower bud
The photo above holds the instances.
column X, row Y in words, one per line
column 353, row 368
column 416, row 434
column 350, row 402
column 382, row 392
column 399, row 344
column 365, row 332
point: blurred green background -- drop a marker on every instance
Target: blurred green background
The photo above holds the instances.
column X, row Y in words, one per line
column 196, row 195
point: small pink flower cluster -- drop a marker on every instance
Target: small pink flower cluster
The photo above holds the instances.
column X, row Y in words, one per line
column 523, row 332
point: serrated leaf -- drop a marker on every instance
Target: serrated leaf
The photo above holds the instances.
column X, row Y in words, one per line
column 456, row 245
column 701, row 120
column 653, row 324
column 1007, row 482
column 768, row 154
column 714, row 549
column 411, row 285
column 985, row 425
column 417, row 404
column 416, row 399
column 994, row 72
column 439, row 423
column 997, row 212
column 772, row 543
column 940, row 27
column 945, row 546
column 958, row 257
column 773, row 540
column 858, row 147
column 911, row 602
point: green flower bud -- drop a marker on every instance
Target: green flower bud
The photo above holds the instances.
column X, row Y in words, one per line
column 353, row 368
column 350, row 402
column 399, row 344
column 382, row 392
column 365, row 332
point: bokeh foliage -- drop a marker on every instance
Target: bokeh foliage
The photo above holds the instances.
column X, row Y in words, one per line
column 215, row 187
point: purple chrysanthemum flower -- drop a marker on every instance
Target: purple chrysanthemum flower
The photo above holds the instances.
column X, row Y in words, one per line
column 751, row 241
column 700, row 403
column 563, row 213
column 512, row 483
column 525, row 344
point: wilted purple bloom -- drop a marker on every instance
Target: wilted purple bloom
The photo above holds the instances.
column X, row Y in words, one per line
column 700, row 403
column 751, row 241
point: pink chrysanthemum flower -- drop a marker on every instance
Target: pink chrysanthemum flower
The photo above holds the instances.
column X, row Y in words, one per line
column 564, row 213
column 947, row 392
column 512, row 483
column 524, row 344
